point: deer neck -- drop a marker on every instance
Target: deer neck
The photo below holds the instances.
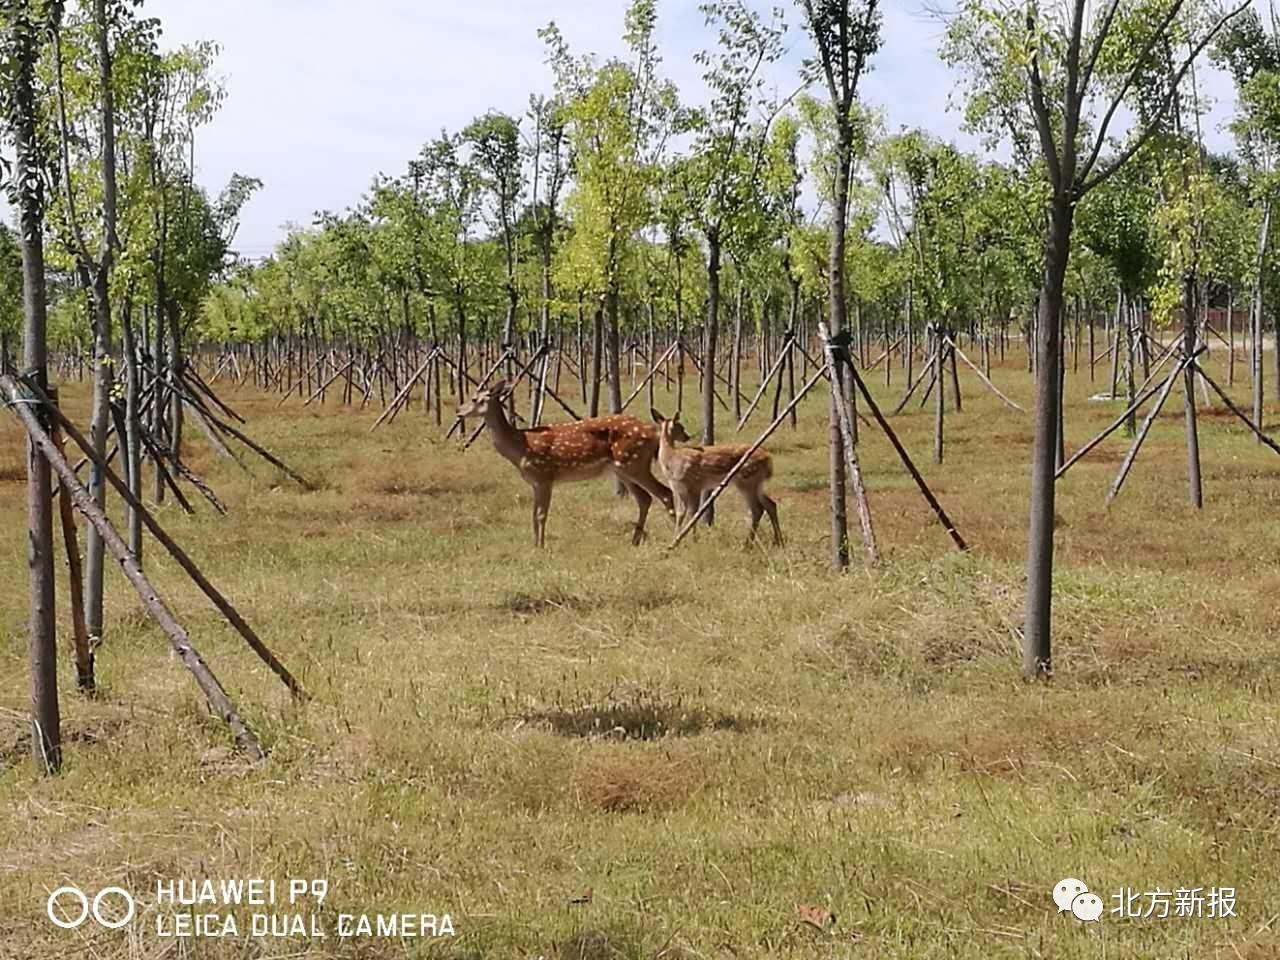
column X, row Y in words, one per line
column 507, row 440
column 666, row 449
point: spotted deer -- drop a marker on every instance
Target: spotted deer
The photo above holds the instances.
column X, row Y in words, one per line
column 567, row 452
column 693, row 470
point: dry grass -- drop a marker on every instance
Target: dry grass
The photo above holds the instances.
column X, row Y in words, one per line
column 701, row 739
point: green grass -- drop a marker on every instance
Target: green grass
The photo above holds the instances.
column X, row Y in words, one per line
column 703, row 739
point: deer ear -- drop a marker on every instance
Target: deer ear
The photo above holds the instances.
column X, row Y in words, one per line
column 502, row 388
column 657, row 417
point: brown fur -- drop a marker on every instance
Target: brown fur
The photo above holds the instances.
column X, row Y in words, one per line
column 693, row 470
column 567, row 452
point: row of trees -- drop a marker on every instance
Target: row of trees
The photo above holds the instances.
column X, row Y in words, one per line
column 609, row 196
column 669, row 207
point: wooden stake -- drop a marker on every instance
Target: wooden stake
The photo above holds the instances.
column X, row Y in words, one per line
column 1141, row 435
column 75, row 575
column 941, row 514
column 179, row 555
column 19, row 401
column 845, row 419
column 1262, row 437
column 982, row 376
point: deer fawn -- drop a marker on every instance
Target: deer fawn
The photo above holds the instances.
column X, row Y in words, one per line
column 566, row 452
column 692, row 470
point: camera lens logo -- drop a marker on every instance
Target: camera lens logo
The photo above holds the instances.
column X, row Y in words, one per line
column 107, row 918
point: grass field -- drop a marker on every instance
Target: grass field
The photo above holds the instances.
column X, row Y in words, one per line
column 701, row 739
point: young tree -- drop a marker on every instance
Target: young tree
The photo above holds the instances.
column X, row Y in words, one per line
column 25, row 26
column 845, row 34
column 495, row 155
column 449, row 187
column 725, row 170
column 619, row 115
column 1047, row 67
column 1252, row 54
column 550, row 160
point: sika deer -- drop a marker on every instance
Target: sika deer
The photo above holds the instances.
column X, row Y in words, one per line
column 693, row 470
column 566, row 452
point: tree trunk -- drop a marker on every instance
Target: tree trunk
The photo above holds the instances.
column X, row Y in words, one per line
column 838, row 315
column 1091, row 349
column 653, row 346
column 1060, row 451
column 100, row 296
column 709, row 350
column 955, row 376
column 582, row 353
column 1264, row 231
column 1194, row 489
column 509, row 328
column 158, row 391
column 908, row 357
column 735, row 378
column 940, row 394
column 1231, row 336
column 94, row 553
column 597, row 361
column 710, row 339
column 132, row 445
column 544, row 330
column 1131, row 331
column 175, row 378
column 1036, row 643
column 615, row 351
column 463, row 390
column 42, row 639
column 793, row 330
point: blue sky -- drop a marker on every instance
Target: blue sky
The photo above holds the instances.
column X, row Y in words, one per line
column 324, row 94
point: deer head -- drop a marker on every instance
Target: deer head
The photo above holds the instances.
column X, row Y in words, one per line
column 672, row 430
column 479, row 405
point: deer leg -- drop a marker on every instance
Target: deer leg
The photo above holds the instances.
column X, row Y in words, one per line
column 650, row 484
column 686, row 502
column 752, row 497
column 772, row 509
column 643, row 500
column 679, row 510
column 541, row 507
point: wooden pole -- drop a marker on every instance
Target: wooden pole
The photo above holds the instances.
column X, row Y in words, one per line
column 1141, row 435
column 1257, row 432
column 20, row 402
column 80, row 632
column 940, row 401
column 941, row 514
column 653, row 369
column 403, row 395
column 925, row 369
column 834, row 352
column 764, row 384
column 982, row 376
column 179, row 555
column 1115, row 424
